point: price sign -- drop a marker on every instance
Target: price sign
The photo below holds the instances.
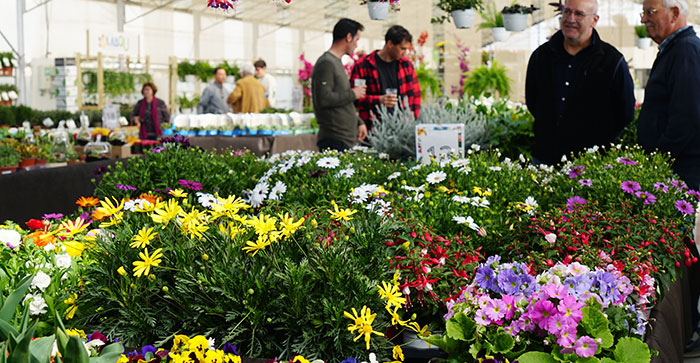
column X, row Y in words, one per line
column 433, row 140
column 110, row 117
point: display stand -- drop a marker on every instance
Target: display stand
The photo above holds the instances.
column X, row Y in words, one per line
column 100, row 59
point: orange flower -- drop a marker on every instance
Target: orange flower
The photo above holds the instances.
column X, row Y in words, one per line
column 98, row 215
column 41, row 238
column 87, row 202
column 153, row 199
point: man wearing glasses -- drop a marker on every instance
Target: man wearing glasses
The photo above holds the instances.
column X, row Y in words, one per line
column 578, row 87
column 670, row 117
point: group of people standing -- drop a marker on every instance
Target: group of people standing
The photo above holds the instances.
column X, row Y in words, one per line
column 346, row 108
column 250, row 95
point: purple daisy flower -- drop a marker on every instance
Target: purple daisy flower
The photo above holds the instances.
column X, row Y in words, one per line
column 193, row 185
column 608, row 166
column 585, row 346
column 318, row 173
column 646, row 196
column 573, row 201
column 576, row 171
column 157, row 149
column 54, row 216
column 661, row 186
column 684, row 207
column 630, row 186
column 679, row 184
column 124, row 187
column 694, row 193
column 626, row 161
column 585, row 182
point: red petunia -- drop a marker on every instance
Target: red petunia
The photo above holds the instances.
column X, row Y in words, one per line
column 35, row 224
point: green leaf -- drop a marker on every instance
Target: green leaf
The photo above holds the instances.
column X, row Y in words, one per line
column 6, row 330
column 20, row 353
column 444, row 342
column 461, row 327
column 588, row 360
column 596, row 325
column 503, row 343
column 8, row 308
column 40, row 349
column 536, row 357
column 632, row 350
column 607, row 360
column 75, row 351
column 110, row 354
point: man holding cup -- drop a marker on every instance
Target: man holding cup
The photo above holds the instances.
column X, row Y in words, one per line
column 389, row 76
column 339, row 126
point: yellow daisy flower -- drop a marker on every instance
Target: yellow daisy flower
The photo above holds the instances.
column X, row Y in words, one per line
column 229, row 207
column 108, row 208
column 339, row 214
column 392, row 294
column 288, row 226
column 165, row 212
column 258, row 245
column 178, row 193
column 362, row 324
column 144, row 267
column 143, row 238
column 72, row 228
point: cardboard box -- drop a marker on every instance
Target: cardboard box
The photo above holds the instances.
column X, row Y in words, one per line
column 123, row 151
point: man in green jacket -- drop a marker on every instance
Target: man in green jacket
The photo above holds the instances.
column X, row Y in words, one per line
column 339, row 125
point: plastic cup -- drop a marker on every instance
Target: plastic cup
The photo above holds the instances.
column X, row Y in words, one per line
column 360, row 82
column 391, row 91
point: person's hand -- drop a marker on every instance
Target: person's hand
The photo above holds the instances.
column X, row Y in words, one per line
column 388, row 100
column 361, row 132
column 137, row 121
column 359, row 91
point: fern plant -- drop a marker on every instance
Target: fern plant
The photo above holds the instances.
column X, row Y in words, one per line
column 429, row 82
column 395, row 133
column 488, row 80
column 491, row 17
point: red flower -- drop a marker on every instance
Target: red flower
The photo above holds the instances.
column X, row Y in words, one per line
column 35, row 224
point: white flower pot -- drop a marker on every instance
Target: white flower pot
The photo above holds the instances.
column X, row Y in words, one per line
column 463, row 18
column 499, row 34
column 378, row 10
column 643, row 43
column 190, row 78
column 515, row 22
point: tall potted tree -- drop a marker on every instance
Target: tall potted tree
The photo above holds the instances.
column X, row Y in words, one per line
column 461, row 11
column 515, row 16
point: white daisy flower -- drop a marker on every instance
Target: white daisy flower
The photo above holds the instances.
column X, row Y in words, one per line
column 383, row 155
column 287, row 165
column 592, row 150
column 347, row 173
column 465, row 170
column 417, row 198
column 459, row 219
column 277, row 191
column 495, row 168
column 363, row 192
column 413, row 189
column 416, row 167
column 472, row 225
column 531, row 203
column 460, row 163
column 393, row 175
column 436, row 177
column 328, row 162
column 460, row 198
column 381, row 207
column 475, row 147
column 258, row 194
column 206, row 200
column 479, row 202
column 303, row 160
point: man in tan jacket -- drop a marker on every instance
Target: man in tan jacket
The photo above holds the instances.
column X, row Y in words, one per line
column 249, row 94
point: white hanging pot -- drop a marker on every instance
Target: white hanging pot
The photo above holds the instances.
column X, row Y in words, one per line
column 378, row 10
column 463, row 18
column 643, row 43
column 499, row 34
column 515, row 22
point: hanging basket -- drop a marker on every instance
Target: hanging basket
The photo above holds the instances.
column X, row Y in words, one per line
column 643, row 43
column 515, row 22
column 464, row 19
column 378, row 10
column 499, row 34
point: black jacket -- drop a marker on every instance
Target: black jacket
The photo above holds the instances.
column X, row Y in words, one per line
column 670, row 117
column 600, row 98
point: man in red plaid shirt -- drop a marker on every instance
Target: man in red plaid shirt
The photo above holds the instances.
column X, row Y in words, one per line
column 388, row 69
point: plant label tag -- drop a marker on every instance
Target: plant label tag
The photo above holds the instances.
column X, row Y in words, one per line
column 438, row 141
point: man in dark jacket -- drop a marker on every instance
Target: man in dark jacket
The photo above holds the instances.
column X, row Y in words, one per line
column 670, row 117
column 578, row 87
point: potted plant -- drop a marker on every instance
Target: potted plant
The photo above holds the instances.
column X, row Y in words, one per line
column 379, row 9
column 487, row 80
column 9, row 159
column 493, row 20
column 515, row 16
column 462, row 11
column 643, row 40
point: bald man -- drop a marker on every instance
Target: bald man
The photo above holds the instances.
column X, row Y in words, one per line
column 578, row 87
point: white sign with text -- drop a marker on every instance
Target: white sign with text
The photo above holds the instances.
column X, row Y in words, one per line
column 434, row 140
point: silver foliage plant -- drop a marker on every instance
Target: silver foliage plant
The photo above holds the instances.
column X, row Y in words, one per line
column 395, row 133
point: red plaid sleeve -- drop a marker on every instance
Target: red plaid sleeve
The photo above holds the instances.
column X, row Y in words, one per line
column 366, row 69
column 408, row 81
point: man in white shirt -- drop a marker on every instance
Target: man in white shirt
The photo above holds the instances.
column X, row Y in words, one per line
column 267, row 80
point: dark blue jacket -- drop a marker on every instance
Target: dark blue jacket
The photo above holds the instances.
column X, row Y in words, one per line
column 599, row 95
column 670, row 117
